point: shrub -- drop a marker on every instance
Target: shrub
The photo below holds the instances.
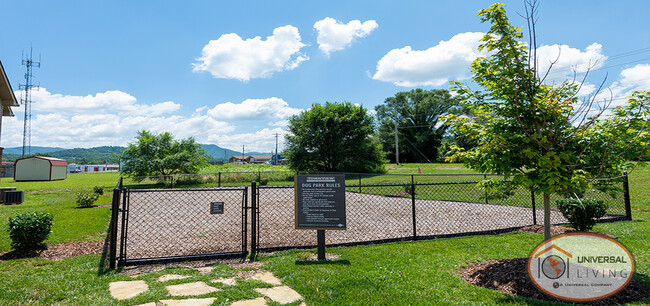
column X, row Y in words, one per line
column 28, row 231
column 582, row 214
column 86, row 199
column 98, row 190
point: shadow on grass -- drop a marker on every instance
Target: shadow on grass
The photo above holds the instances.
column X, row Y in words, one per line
column 341, row 262
column 14, row 254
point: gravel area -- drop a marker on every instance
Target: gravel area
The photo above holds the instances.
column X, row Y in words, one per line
column 166, row 223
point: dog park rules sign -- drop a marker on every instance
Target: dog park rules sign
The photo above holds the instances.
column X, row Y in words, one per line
column 320, row 201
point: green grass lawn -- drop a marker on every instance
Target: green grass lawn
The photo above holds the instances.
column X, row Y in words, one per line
column 421, row 272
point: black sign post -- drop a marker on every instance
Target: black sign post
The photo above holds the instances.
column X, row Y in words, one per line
column 320, row 205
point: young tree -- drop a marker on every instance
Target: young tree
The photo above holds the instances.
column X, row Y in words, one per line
column 333, row 137
column 160, row 154
column 417, row 113
column 542, row 136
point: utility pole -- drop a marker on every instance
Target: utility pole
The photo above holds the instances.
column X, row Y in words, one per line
column 396, row 143
column 275, row 162
column 243, row 156
column 27, row 101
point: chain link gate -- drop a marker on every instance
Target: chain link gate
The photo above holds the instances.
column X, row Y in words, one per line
column 156, row 225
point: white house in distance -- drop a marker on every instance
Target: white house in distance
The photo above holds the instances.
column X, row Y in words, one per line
column 40, row 168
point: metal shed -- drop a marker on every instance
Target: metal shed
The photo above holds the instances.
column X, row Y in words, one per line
column 39, row 168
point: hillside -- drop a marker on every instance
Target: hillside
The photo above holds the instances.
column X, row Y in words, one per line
column 109, row 154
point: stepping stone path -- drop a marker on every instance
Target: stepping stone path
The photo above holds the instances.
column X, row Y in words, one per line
column 189, row 289
column 127, row 289
column 168, row 277
column 230, row 281
column 124, row 290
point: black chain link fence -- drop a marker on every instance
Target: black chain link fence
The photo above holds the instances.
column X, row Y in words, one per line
column 379, row 213
column 166, row 224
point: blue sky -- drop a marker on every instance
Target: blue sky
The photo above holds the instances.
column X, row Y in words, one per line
column 231, row 73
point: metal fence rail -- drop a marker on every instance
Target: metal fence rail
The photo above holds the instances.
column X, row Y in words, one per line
column 169, row 224
column 379, row 213
column 149, row 225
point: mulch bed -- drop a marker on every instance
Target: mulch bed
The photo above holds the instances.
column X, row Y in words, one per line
column 510, row 276
column 58, row 251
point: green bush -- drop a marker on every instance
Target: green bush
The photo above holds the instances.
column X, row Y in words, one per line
column 98, row 190
column 28, row 231
column 86, row 199
column 582, row 214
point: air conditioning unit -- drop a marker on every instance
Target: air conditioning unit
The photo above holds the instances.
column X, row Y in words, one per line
column 14, row 197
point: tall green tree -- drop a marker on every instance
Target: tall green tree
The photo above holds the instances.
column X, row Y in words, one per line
column 541, row 136
column 333, row 137
column 161, row 154
column 419, row 131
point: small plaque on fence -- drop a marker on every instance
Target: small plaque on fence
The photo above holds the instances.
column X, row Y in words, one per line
column 216, row 208
column 320, row 202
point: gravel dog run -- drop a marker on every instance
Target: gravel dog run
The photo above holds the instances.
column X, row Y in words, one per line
column 376, row 217
column 165, row 223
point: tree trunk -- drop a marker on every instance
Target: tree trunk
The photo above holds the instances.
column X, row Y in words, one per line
column 547, row 216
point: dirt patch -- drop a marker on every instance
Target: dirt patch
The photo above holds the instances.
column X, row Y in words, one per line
column 510, row 276
column 58, row 251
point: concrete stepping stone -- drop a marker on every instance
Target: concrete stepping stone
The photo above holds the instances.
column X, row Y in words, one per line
column 127, row 289
column 256, row 302
column 281, row 294
column 168, row 277
column 196, row 288
column 267, row 277
column 148, row 304
column 189, row 302
column 230, row 281
column 205, row 270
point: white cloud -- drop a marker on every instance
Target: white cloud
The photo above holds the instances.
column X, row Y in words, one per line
column 231, row 57
column 631, row 79
column 636, row 78
column 566, row 60
column 253, row 109
column 114, row 100
column 110, row 118
column 432, row 67
column 334, row 35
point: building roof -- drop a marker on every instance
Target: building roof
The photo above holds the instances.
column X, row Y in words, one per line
column 6, row 94
column 238, row 157
column 261, row 156
column 53, row 161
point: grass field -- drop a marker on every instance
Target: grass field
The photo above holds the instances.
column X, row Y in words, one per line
column 421, row 272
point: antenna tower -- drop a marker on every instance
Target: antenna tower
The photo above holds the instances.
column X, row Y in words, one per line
column 27, row 101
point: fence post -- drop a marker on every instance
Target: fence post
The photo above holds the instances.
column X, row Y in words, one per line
column 253, row 220
column 219, row 178
column 359, row 182
column 486, row 194
column 532, row 200
column 626, row 189
column 114, row 215
column 415, row 232
column 259, row 175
